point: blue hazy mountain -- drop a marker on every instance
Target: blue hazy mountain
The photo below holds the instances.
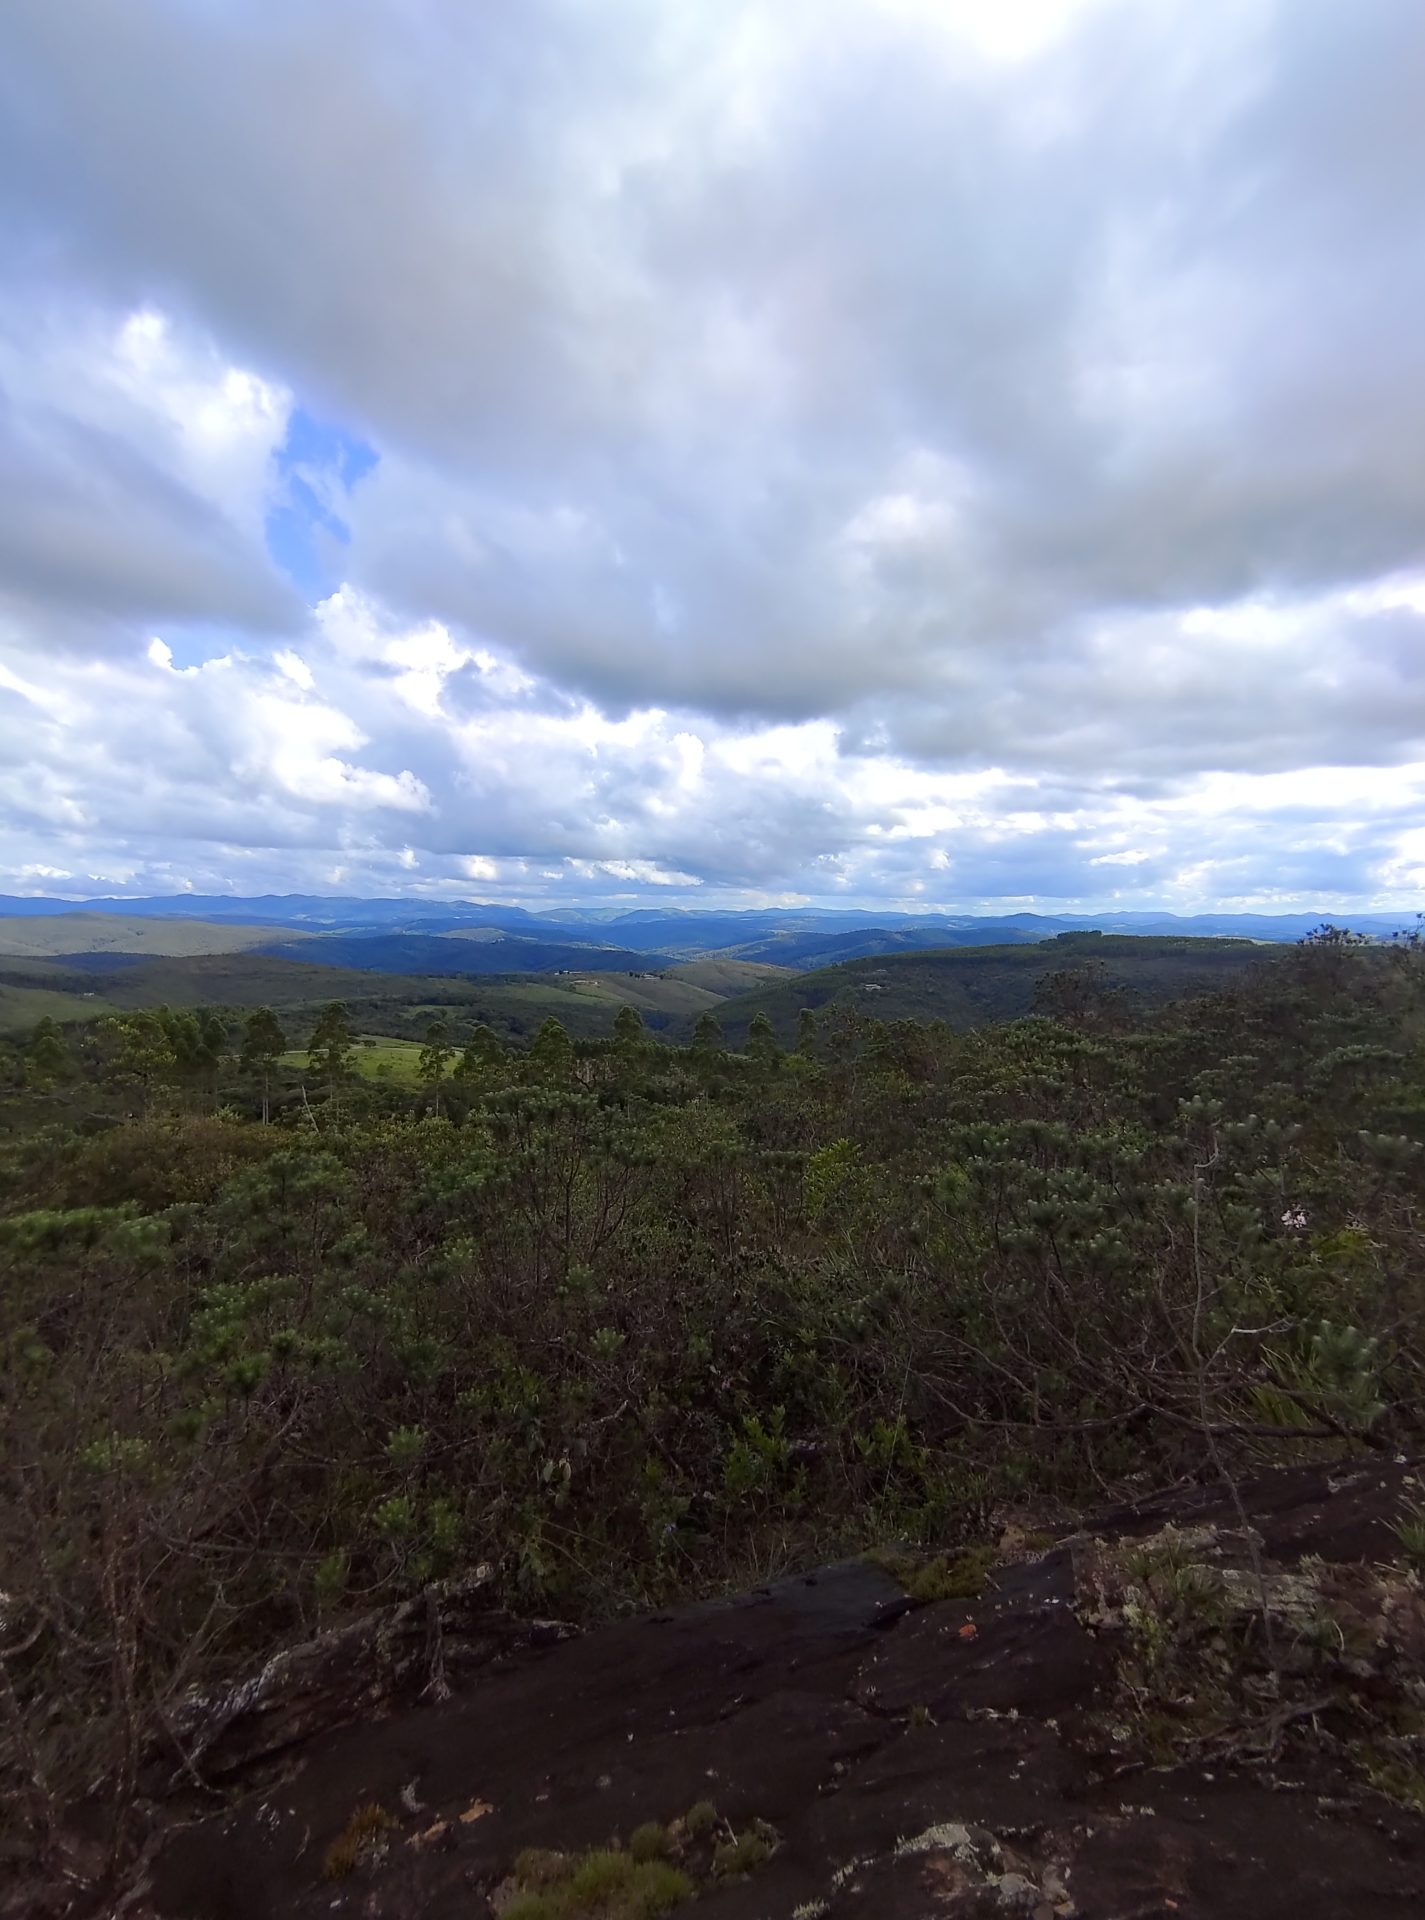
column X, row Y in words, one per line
column 413, row 935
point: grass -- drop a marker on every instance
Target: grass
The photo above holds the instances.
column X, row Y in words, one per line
column 648, row 992
column 1399, row 1780
column 362, row 1836
column 376, row 1057
column 22, row 1008
column 661, row 1868
column 607, row 1884
column 948, row 1576
column 723, row 978
column 649, row 1842
column 745, row 1851
column 1410, row 1531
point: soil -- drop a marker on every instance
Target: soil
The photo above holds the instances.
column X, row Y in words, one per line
column 944, row 1760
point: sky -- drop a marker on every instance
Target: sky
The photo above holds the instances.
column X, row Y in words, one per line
column 909, row 452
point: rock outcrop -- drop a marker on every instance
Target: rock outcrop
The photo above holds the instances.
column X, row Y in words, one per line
column 1162, row 1716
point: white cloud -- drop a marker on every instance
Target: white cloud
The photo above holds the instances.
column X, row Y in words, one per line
column 1009, row 30
column 220, row 424
column 294, row 668
column 136, row 465
column 893, row 449
column 225, row 768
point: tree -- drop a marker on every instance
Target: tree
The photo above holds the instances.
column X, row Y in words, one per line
column 1079, row 997
column 138, row 1050
column 330, row 1047
column 185, row 1039
column 553, row 1051
column 434, row 1056
column 628, row 1028
column 48, row 1058
column 707, row 1035
column 212, row 1041
column 262, row 1041
column 482, row 1050
column 1329, row 956
column 806, row 1031
column 762, row 1041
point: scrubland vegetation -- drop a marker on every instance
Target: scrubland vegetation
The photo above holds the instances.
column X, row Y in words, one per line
column 627, row 1321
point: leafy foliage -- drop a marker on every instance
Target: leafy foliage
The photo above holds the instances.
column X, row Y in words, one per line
column 628, row 1321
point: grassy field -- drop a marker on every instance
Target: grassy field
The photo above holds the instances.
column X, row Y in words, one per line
column 377, row 1057
column 46, row 935
column 723, row 978
column 650, row 993
column 22, row 1008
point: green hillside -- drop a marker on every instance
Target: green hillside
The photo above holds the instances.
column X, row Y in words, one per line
column 398, row 1005
column 47, row 935
column 245, row 980
column 724, row 977
column 585, row 1003
column 971, row 986
column 375, row 1057
column 23, row 1007
column 964, row 986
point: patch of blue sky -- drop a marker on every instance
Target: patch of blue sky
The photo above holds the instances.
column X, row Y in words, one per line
column 195, row 643
column 317, row 466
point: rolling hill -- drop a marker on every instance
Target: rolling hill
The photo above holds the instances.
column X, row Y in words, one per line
column 63, row 934
column 243, row 980
column 797, row 935
column 724, row 976
column 464, row 979
column 22, row 1008
column 971, row 986
column 400, row 1005
column 443, row 953
column 807, row 948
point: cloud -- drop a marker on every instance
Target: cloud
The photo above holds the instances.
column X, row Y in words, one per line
column 131, row 466
column 245, row 763
column 883, row 448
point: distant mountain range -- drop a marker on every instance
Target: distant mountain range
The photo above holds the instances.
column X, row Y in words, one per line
column 414, row 936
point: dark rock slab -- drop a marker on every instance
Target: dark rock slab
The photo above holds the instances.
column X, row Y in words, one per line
column 942, row 1761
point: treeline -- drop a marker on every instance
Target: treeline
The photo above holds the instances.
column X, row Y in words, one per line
column 627, row 1321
